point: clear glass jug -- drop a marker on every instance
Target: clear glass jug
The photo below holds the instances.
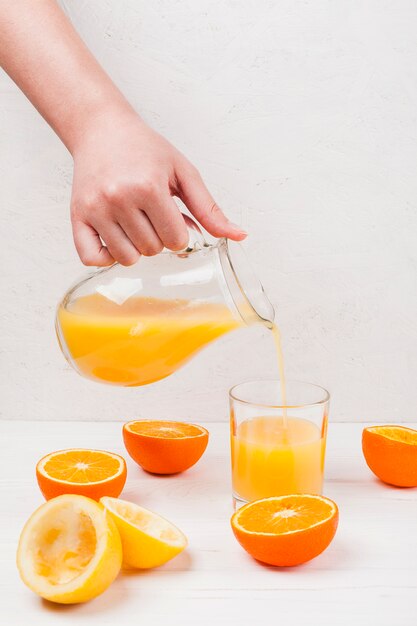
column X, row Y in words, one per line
column 135, row 325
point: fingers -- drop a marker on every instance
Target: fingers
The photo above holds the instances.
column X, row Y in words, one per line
column 128, row 233
column 202, row 205
column 89, row 246
column 141, row 233
column 118, row 244
column 142, row 218
column 168, row 222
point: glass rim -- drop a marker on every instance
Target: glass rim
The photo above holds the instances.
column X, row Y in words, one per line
column 234, row 397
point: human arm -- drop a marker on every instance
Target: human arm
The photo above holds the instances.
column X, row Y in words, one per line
column 125, row 173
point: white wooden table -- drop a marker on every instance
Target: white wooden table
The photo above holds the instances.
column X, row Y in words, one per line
column 367, row 577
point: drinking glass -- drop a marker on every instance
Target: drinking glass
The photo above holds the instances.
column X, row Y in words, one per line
column 277, row 448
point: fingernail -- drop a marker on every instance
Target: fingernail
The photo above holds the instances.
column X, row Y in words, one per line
column 237, row 227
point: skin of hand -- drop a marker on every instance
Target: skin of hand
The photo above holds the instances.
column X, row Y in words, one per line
column 125, row 174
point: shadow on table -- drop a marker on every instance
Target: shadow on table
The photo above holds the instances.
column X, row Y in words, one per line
column 180, row 563
column 110, row 599
column 116, row 595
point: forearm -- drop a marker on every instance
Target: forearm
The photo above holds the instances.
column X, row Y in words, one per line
column 43, row 54
column 125, row 174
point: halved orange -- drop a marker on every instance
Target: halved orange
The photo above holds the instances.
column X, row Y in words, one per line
column 164, row 447
column 391, row 453
column 286, row 530
column 91, row 473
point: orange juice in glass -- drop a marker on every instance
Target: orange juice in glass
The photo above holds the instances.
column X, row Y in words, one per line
column 277, row 449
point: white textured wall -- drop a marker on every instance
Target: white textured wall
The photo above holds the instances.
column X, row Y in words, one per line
column 302, row 119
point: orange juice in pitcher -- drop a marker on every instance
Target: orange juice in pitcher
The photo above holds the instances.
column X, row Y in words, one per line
column 140, row 341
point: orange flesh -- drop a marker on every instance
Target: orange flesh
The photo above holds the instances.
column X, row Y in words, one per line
column 81, row 466
column 66, row 547
column 284, row 515
column 396, row 433
column 165, row 430
column 147, row 522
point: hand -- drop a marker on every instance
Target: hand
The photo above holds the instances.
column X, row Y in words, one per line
column 125, row 175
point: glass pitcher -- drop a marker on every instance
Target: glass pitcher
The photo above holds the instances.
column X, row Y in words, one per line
column 135, row 325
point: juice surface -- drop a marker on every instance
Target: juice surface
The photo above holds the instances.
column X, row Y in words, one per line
column 271, row 460
column 140, row 341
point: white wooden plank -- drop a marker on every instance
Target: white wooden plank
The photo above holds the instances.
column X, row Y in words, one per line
column 368, row 574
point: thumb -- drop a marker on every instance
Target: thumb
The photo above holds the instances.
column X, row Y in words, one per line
column 202, row 205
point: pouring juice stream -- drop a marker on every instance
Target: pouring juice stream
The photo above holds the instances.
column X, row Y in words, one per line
column 280, row 357
column 135, row 325
column 275, row 454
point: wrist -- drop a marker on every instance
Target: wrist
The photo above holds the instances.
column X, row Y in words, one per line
column 94, row 120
